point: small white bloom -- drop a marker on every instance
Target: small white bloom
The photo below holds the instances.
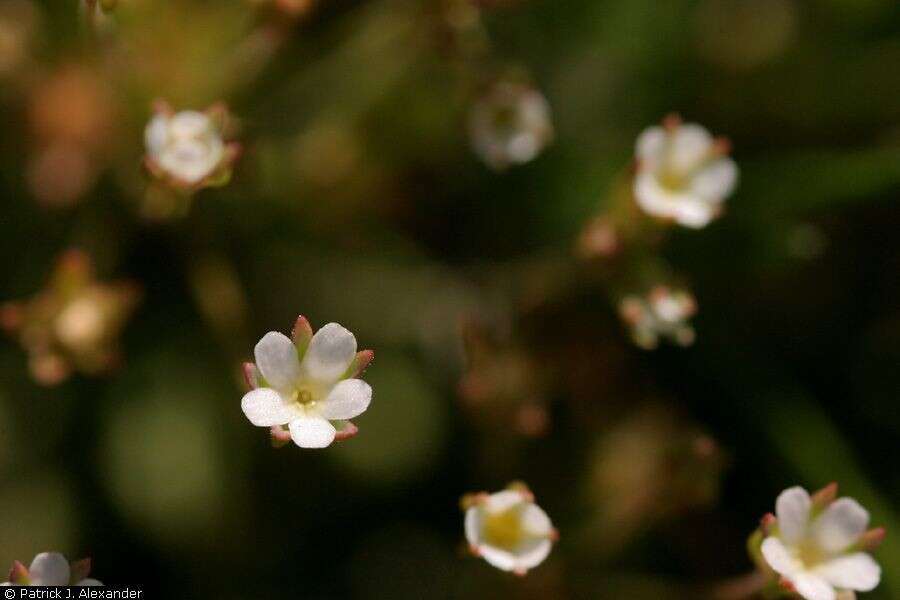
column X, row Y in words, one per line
column 662, row 313
column 683, row 173
column 47, row 568
column 510, row 125
column 186, row 146
column 508, row 529
column 815, row 549
column 307, row 387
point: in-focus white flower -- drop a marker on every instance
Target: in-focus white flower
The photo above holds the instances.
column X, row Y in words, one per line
column 51, row 568
column 510, row 125
column 307, row 383
column 662, row 313
column 683, row 173
column 187, row 148
column 508, row 529
column 817, row 544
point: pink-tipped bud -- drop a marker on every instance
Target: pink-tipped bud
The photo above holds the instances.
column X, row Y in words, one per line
column 360, row 363
column 18, row 574
column 871, row 539
column 301, row 334
column 721, row 147
column 553, row 536
column 280, row 436
column 470, row 500
column 349, row 431
column 520, row 572
column 672, row 121
column 474, row 551
column 524, row 491
column 767, row 523
column 251, row 375
column 787, row 585
column 825, row 496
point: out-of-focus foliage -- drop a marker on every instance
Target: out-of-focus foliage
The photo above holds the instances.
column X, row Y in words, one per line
column 491, row 297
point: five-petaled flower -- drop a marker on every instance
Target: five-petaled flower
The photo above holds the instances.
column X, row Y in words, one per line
column 51, row 568
column 307, row 382
column 187, row 149
column 818, row 544
column 508, row 529
column 683, row 174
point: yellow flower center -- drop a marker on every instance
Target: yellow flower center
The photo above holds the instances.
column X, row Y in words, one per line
column 504, row 529
column 810, row 553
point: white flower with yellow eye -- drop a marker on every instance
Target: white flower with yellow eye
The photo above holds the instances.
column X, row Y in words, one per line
column 683, row 173
column 816, row 544
column 508, row 529
column 306, row 384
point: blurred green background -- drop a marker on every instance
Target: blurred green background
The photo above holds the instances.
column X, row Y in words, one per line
column 358, row 200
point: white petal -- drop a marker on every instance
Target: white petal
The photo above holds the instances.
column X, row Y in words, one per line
column 189, row 123
column 276, row 359
column 348, row 399
column 265, row 407
column 473, row 525
column 840, row 525
column 687, row 209
column 650, row 146
column 778, row 557
column 857, row 571
column 330, row 352
column 312, row 432
column 792, row 509
column 716, row 180
column 502, row 501
column 49, row 568
column 533, row 553
column 156, row 135
column 688, row 147
column 812, row 587
column 535, row 521
column 88, row 582
column 502, row 559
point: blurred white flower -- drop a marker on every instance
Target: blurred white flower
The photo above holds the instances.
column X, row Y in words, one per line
column 816, row 545
column 187, row 148
column 508, row 529
column 306, row 383
column 683, row 173
column 662, row 313
column 51, row 568
column 510, row 125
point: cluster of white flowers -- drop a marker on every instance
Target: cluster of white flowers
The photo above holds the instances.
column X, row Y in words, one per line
column 662, row 313
column 683, row 173
column 51, row 568
column 817, row 544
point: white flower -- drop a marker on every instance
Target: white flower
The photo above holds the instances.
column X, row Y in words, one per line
column 307, row 383
column 663, row 313
column 510, row 125
column 186, row 146
column 683, row 174
column 49, row 568
column 508, row 529
column 816, row 549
